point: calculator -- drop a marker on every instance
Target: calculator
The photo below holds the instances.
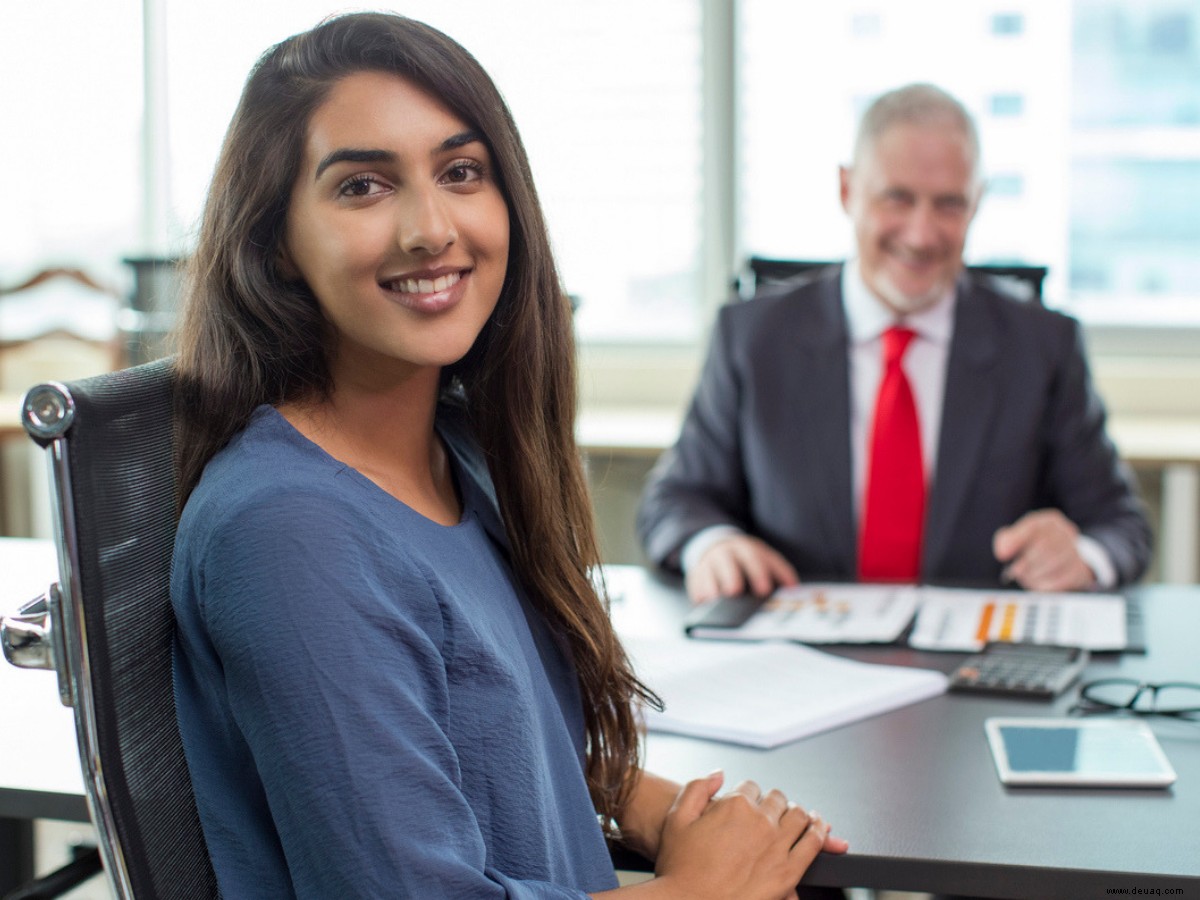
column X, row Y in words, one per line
column 1036, row 671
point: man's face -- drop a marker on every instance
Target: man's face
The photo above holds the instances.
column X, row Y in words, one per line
column 911, row 198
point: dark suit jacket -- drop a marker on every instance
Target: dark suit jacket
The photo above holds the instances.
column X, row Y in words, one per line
column 766, row 442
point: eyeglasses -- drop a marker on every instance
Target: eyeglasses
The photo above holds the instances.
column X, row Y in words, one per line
column 1180, row 699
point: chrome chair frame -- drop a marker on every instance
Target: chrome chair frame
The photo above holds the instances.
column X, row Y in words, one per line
column 136, row 782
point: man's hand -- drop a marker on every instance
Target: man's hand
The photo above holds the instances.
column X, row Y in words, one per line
column 737, row 564
column 1042, row 553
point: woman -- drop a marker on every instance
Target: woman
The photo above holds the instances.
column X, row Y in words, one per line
column 394, row 674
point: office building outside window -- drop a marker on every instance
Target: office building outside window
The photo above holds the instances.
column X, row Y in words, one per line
column 1006, row 105
column 1007, row 23
column 1135, row 160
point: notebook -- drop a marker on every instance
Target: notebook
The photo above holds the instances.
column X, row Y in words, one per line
column 769, row 693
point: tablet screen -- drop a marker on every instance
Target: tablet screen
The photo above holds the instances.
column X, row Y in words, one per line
column 1115, row 753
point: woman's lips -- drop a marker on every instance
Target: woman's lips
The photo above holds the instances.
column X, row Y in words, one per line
column 428, row 295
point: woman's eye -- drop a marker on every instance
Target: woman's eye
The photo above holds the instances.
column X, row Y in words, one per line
column 360, row 186
column 463, row 173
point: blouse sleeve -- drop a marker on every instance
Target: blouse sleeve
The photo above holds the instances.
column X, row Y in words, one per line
column 334, row 676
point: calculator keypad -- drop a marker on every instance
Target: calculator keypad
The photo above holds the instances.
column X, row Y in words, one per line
column 1024, row 670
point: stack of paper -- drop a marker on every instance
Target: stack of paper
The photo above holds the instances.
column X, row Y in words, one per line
column 813, row 614
column 966, row 620
column 770, row 693
column 946, row 619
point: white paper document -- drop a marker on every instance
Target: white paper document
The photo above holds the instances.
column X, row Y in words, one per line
column 826, row 614
column 965, row 620
column 767, row 694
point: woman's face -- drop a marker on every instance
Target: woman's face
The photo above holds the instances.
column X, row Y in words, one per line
column 397, row 225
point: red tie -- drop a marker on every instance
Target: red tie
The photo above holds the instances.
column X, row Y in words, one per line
column 894, row 501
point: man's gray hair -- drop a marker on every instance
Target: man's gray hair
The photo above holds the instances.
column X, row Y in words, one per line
column 914, row 104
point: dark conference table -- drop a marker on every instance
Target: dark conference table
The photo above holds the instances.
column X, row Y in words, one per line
column 916, row 793
column 914, row 790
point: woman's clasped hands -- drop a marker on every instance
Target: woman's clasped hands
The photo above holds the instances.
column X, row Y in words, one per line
column 744, row 844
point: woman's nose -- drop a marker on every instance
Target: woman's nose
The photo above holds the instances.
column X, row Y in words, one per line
column 426, row 225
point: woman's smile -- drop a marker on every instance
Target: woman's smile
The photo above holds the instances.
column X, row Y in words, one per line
column 428, row 292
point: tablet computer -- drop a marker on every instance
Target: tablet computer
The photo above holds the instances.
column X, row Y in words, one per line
column 1078, row 752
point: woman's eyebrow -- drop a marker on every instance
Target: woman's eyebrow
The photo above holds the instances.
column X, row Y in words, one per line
column 358, row 155
column 460, row 140
column 351, row 154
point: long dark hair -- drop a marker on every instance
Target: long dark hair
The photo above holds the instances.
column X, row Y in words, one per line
column 251, row 336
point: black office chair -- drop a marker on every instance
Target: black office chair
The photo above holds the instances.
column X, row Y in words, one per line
column 106, row 627
column 1020, row 281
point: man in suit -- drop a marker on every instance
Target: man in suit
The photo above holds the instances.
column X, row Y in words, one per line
column 893, row 419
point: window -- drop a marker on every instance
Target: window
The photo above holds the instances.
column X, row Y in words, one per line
column 1005, row 184
column 1007, row 24
column 865, row 24
column 1006, row 105
column 1135, row 160
column 70, row 101
column 1089, row 113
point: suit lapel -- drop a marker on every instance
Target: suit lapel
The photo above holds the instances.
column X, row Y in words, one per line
column 822, row 393
column 969, row 407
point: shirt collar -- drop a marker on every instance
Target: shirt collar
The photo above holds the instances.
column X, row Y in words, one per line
column 867, row 318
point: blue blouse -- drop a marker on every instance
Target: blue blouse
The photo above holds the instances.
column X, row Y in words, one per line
column 368, row 703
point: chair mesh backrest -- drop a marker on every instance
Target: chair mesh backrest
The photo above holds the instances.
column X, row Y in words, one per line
column 123, row 487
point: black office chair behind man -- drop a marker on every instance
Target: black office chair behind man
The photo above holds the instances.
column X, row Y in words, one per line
column 1024, row 282
column 106, row 627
